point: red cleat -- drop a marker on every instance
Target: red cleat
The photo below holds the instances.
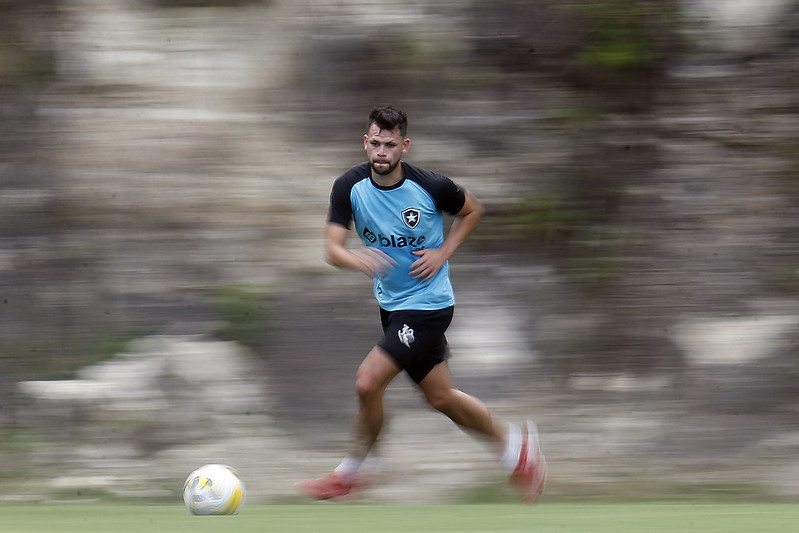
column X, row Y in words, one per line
column 531, row 471
column 329, row 487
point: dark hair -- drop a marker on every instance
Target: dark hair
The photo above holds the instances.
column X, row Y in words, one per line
column 388, row 118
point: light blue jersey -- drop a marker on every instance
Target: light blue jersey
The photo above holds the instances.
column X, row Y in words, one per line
column 397, row 221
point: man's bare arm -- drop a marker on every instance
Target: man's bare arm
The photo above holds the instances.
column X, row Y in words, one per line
column 370, row 261
column 431, row 260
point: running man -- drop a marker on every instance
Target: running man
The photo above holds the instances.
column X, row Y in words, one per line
column 397, row 210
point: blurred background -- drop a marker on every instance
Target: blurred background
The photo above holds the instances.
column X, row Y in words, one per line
column 165, row 168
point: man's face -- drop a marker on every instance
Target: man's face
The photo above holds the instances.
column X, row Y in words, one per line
column 384, row 148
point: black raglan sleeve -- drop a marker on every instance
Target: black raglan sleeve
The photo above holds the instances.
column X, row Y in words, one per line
column 340, row 209
column 451, row 197
column 447, row 194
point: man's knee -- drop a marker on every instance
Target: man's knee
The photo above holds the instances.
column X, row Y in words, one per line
column 366, row 386
column 442, row 400
column 374, row 374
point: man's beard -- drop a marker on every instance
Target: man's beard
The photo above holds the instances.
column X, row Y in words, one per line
column 386, row 172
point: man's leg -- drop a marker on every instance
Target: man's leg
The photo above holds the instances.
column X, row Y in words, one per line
column 463, row 409
column 373, row 377
column 521, row 452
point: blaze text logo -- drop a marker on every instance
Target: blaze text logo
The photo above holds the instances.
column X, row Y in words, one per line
column 394, row 241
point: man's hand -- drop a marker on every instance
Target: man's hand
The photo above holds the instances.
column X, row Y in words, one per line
column 370, row 261
column 429, row 263
column 374, row 262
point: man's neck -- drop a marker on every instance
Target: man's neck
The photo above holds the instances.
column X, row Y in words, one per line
column 389, row 180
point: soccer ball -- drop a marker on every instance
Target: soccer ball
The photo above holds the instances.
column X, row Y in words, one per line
column 213, row 490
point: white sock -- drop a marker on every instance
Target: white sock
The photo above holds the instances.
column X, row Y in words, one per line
column 349, row 465
column 513, row 448
column 371, row 465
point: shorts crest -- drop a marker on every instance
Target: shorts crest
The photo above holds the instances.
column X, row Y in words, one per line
column 406, row 335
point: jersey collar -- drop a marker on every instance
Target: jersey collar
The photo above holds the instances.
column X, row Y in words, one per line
column 388, row 187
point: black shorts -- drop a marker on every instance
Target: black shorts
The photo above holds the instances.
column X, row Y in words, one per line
column 415, row 339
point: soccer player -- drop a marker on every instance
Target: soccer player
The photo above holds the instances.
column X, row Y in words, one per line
column 397, row 210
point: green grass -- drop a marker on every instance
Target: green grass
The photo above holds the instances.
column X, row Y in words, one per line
column 354, row 518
